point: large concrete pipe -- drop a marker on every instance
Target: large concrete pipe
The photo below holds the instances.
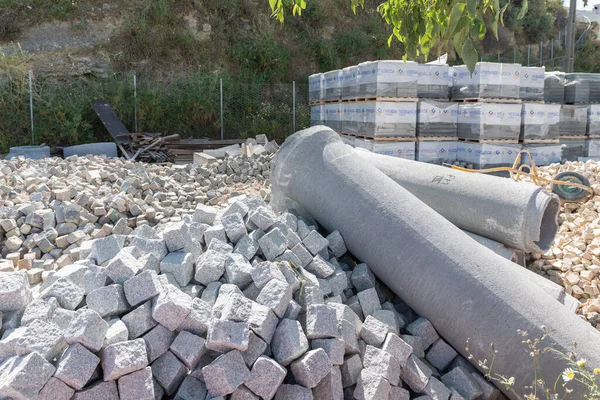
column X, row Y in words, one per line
column 463, row 288
column 520, row 215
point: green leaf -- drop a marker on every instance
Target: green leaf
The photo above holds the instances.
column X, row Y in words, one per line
column 524, row 8
column 472, row 7
column 469, row 55
column 458, row 40
column 501, row 18
column 390, row 40
column 478, row 29
column 455, row 16
column 272, row 3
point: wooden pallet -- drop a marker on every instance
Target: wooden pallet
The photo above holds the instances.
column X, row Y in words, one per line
column 487, row 100
column 534, row 101
column 437, row 138
column 316, row 103
column 379, row 98
column 580, row 137
column 489, row 141
column 540, row 141
column 380, row 139
column 435, row 99
column 593, row 136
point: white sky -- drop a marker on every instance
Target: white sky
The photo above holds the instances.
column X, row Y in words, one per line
column 580, row 4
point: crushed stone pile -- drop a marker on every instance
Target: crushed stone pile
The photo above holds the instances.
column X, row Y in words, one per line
column 49, row 207
column 574, row 259
column 233, row 303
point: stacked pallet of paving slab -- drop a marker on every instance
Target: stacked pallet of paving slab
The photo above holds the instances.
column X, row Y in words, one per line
column 332, row 82
column 316, row 88
column 387, row 78
column 433, row 81
column 532, row 83
column 350, row 82
column 540, row 132
column 489, row 121
column 487, row 155
column 554, row 87
column 573, row 120
column 237, row 303
column 436, row 131
column 489, row 80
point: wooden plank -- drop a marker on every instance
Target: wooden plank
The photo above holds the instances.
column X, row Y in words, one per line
column 487, row 100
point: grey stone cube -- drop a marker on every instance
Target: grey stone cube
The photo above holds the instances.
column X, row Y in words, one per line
column 246, row 246
column 347, row 332
column 104, row 249
column 198, row 320
column 263, row 217
column 124, row 266
column 171, row 307
column 397, row 347
column 42, row 337
column 398, row 393
column 416, row 344
column 330, row 387
column 238, row 270
column 141, row 287
column 169, row 372
column 210, row 267
column 263, row 272
column 262, row 321
column 108, row 300
column 321, row 321
column 189, row 348
column 289, row 342
column 234, row 226
column 441, row 354
column 415, row 374
column 276, row 295
column 220, row 246
column 382, row 362
column 489, row 391
column 175, row 235
column 226, row 335
column 116, row 332
column 139, row 321
column 158, row 341
column 335, row 349
column 122, row 358
column 224, row 292
column 225, row 373
column 351, row 370
column 320, row 268
column 338, row 282
column 265, row 377
column 362, row 278
column 388, row 318
column 315, row 243
column 336, row 244
column 293, row 392
column 55, row 389
column 191, row 389
column 215, row 232
column 293, row 310
column 99, row 391
column 241, row 393
column 371, row 386
column 256, row 347
column 39, row 309
column 180, row 264
column 88, row 328
column 423, row 329
column 369, row 301
column 205, row 214
column 373, row 331
column 137, row 386
column 461, row 380
column 237, row 308
column 68, row 294
column 309, row 369
column 436, row 390
column 302, row 254
column 273, row 244
column 24, row 377
column 76, row 366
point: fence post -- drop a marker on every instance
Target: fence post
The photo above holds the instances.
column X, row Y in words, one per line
column 528, row 54
column 498, row 57
column 135, row 103
column 541, row 51
column 31, row 105
column 552, row 52
column 515, row 54
column 294, row 106
column 221, row 87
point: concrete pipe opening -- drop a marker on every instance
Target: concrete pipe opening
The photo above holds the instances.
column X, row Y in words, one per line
column 548, row 207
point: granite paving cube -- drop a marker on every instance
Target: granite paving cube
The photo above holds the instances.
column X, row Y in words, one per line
column 237, row 308
column 415, row 374
column 104, row 249
column 436, row 390
column 237, row 206
column 108, row 300
column 87, row 328
column 397, row 347
column 454, row 395
column 141, row 288
column 398, row 393
column 315, row 243
column 369, row 301
column 262, row 321
column 461, row 380
column 234, row 226
column 490, row 392
column 55, row 389
column 347, row 332
column 256, row 347
column 139, row 321
column 198, row 320
column 423, row 329
column 293, row 392
column 388, row 318
column 265, row 377
column 441, row 354
column 373, row 331
column 169, row 372
column 171, row 307
column 156, row 247
column 276, row 295
column 338, row 282
column 263, row 272
column 191, row 389
column 252, row 291
column 238, row 270
column 371, row 386
column 330, row 387
column 225, row 292
column 292, row 311
column 273, row 244
column 263, row 217
column 350, row 370
column 180, row 264
column 210, row 267
column 335, row 349
column 24, row 377
column 226, row 335
column 137, row 386
column 149, row 262
column 220, row 246
column 99, row 391
column 121, row 358
column 205, row 214
column 362, row 278
column 289, row 342
column 241, row 393
column 321, row 268
column 116, row 332
column 76, row 366
column 309, row 369
column 321, row 321
column 246, row 246
column 124, row 266
column 42, row 337
column 225, row 373
column 416, row 344
column 189, row 348
column 175, row 235
column 158, row 341
column 382, row 362
column 289, row 258
column 68, row 294
column 215, row 232
column 336, row 244
column 302, row 254
column 39, row 309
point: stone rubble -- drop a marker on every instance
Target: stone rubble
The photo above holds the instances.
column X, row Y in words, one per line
column 232, row 303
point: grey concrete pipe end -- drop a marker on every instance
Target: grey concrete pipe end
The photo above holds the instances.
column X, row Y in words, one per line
column 541, row 234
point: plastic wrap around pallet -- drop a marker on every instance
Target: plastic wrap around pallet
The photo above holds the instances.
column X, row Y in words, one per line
column 405, row 150
column 437, row 118
column 543, row 154
column 316, row 87
column 489, row 121
column 435, row 152
column 593, row 147
column 387, row 119
column 433, row 81
column 333, row 85
column 387, row 78
column 540, row 121
column 573, row 120
column 582, row 88
column 593, row 126
column 350, row 82
column 554, row 87
column 489, row 80
column 484, row 155
column 532, row 83
column 317, row 115
column 572, row 149
column 333, row 116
